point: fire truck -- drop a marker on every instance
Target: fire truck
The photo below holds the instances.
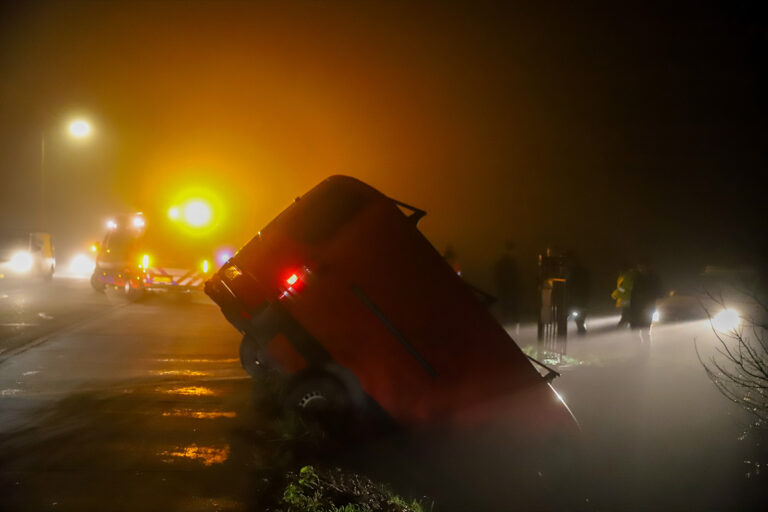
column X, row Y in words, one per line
column 140, row 254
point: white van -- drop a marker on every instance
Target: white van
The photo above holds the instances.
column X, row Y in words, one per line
column 25, row 254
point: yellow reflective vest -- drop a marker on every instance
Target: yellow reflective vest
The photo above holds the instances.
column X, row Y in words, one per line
column 623, row 291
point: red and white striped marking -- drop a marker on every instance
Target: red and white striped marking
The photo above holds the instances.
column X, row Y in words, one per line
column 176, row 277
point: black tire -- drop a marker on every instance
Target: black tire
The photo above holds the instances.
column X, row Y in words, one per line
column 96, row 284
column 252, row 353
column 133, row 293
column 320, row 400
column 250, row 357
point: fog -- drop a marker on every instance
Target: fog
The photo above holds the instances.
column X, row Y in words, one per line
column 621, row 133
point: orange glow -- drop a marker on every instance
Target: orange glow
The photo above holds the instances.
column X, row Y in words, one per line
column 181, row 360
column 200, row 415
column 197, row 213
column 188, row 391
column 208, row 455
column 183, row 373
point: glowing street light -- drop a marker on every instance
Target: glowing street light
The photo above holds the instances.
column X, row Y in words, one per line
column 197, row 213
column 79, row 128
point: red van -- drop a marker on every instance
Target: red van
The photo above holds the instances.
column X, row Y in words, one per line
column 344, row 295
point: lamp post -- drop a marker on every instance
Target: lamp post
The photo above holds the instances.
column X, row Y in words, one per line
column 77, row 129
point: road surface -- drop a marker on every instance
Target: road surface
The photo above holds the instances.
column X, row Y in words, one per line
column 112, row 406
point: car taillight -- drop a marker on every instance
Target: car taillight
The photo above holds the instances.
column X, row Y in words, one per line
column 293, row 282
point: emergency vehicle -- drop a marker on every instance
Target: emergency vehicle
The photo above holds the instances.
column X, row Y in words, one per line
column 343, row 295
column 140, row 254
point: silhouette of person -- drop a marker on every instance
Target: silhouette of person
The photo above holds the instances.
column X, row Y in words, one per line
column 577, row 289
column 507, row 284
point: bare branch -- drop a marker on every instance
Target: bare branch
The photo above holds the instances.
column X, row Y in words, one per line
column 739, row 366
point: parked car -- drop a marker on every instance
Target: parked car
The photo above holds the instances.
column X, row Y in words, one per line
column 344, row 296
column 720, row 293
column 25, row 255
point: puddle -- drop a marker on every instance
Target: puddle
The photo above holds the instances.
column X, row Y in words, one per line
column 181, row 373
column 179, row 360
column 208, row 455
column 200, row 415
column 188, row 391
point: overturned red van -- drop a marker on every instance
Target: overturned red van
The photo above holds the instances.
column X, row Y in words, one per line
column 342, row 294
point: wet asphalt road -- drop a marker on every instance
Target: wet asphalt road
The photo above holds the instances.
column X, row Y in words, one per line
column 122, row 406
column 113, row 406
column 29, row 310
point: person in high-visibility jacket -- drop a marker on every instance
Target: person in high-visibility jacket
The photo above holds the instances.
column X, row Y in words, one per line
column 623, row 294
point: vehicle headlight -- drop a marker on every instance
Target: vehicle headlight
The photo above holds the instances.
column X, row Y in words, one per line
column 82, row 265
column 656, row 316
column 726, row 320
column 21, row 262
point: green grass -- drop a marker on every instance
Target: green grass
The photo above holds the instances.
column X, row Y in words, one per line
column 310, row 490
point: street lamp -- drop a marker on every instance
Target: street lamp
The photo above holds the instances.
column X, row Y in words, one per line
column 78, row 129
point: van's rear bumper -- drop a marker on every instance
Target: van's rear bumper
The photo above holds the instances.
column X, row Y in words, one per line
column 234, row 309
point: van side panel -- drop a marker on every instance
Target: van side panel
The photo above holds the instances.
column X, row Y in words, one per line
column 379, row 300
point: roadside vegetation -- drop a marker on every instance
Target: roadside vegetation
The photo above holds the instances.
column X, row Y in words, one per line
column 314, row 490
column 739, row 368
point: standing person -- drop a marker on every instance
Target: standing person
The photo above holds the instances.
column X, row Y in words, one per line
column 577, row 289
column 507, row 284
column 645, row 291
column 623, row 294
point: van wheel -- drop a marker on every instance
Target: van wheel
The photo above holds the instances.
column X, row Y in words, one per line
column 321, row 400
column 249, row 357
column 96, row 284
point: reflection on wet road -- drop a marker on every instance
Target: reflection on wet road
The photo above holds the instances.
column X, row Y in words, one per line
column 208, row 455
column 208, row 415
column 145, row 409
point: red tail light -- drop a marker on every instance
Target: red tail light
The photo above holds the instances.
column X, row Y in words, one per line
column 294, row 283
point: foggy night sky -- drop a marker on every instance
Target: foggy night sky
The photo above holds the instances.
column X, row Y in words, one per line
column 622, row 130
